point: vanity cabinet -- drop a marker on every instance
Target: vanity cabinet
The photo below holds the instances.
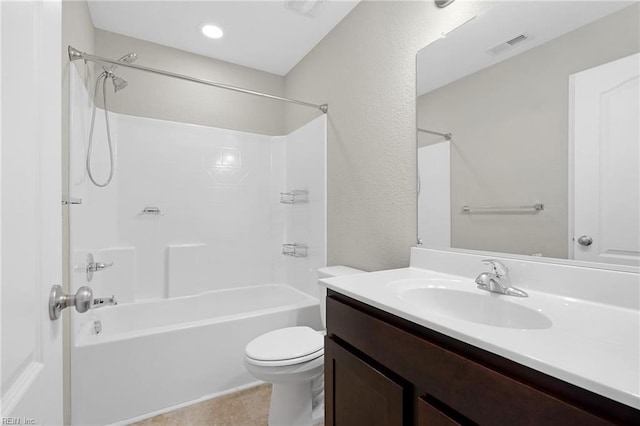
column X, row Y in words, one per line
column 383, row 370
column 362, row 394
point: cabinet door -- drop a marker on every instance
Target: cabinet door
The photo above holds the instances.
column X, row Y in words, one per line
column 357, row 393
column 429, row 414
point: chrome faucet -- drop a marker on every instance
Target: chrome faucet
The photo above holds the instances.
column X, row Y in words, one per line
column 498, row 280
column 91, row 266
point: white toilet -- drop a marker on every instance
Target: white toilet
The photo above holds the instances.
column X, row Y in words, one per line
column 292, row 359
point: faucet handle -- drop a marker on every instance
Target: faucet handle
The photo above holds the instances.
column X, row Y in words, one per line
column 99, row 266
column 91, row 266
column 498, row 267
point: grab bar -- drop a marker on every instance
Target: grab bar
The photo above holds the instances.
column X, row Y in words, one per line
column 534, row 208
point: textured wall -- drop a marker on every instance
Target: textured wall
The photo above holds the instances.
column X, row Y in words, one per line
column 365, row 70
column 156, row 96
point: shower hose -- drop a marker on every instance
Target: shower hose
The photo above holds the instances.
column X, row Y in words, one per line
column 102, row 77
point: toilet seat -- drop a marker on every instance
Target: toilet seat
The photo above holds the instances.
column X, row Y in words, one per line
column 286, row 346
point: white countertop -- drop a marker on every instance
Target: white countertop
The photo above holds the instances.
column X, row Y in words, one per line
column 592, row 345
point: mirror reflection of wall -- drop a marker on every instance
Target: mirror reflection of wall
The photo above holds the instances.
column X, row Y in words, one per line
column 510, row 109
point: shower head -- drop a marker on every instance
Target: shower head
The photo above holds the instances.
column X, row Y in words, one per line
column 119, row 83
column 129, row 57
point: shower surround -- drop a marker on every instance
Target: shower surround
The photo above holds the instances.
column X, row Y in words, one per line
column 191, row 210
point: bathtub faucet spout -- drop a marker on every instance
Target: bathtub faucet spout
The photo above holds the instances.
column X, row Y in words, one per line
column 103, row 301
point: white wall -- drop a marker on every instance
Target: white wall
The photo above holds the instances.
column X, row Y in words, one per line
column 222, row 223
column 305, row 166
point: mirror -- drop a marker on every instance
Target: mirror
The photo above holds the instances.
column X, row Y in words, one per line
column 528, row 132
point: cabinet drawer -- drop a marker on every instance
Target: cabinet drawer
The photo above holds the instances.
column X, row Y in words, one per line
column 478, row 393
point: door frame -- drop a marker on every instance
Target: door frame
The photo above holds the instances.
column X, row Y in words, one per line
column 571, row 169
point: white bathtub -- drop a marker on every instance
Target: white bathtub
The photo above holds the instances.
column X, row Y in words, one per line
column 154, row 356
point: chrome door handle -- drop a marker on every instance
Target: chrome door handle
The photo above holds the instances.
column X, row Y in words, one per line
column 585, row 240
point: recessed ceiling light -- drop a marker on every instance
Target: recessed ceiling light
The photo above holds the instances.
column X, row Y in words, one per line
column 212, row 31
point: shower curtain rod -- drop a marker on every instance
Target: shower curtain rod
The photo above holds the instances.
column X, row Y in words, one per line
column 75, row 54
column 447, row 136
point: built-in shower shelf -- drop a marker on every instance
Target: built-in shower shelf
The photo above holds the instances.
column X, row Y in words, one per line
column 294, row 250
column 296, row 196
column 151, row 211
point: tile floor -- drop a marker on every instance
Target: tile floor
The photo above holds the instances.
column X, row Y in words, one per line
column 249, row 407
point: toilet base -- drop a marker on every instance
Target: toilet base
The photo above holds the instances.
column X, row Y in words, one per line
column 290, row 405
column 296, row 390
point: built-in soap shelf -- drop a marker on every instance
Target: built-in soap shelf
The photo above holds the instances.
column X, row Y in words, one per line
column 294, row 250
column 296, row 196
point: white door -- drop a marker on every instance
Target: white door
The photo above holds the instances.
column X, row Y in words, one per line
column 434, row 195
column 606, row 157
column 30, row 211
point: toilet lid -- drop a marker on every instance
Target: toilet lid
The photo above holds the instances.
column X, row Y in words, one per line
column 285, row 343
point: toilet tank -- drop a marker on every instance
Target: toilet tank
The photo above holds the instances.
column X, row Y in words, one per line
column 330, row 272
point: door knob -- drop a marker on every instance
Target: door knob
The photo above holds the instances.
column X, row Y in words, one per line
column 585, row 240
column 58, row 300
column 83, row 301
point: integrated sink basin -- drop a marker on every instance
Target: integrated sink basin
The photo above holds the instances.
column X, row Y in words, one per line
column 489, row 309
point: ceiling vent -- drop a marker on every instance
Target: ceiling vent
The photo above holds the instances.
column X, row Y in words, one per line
column 509, row 44
column 308, row 8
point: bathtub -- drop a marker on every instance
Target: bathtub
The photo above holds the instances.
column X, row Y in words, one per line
column 141, row 359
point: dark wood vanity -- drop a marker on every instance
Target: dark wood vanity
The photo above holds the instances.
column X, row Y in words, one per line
column 384, row 370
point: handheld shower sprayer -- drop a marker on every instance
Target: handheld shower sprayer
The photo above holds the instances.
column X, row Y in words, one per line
column 119, row 83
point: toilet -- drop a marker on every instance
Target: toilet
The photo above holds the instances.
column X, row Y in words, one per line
column 292, row 359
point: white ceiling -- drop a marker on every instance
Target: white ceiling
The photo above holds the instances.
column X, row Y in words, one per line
column 463, row 51
column 260, row 34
